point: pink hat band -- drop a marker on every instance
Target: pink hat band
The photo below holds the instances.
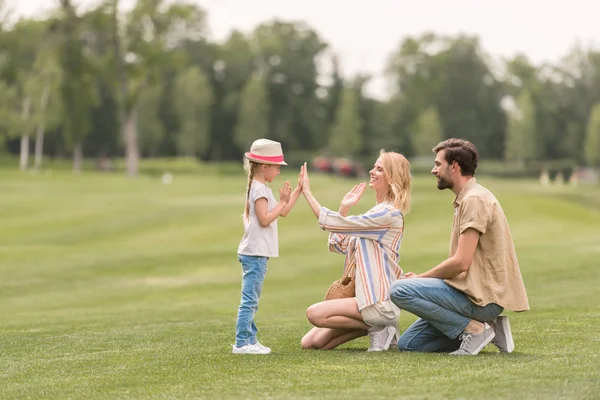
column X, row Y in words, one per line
column 270, row 159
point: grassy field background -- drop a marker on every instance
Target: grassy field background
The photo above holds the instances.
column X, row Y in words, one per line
column 123, row 289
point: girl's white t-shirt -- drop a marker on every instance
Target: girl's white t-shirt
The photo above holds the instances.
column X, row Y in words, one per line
column 259, row 240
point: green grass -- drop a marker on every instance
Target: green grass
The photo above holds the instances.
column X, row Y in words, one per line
column 120, row 289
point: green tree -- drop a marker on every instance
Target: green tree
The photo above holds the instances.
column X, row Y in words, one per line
column 20, row 46
column 44, row 88
column 78, row 93
column 150, row 39
column 334, row 91
column 346, row 135
column 232, row 66
column 287, row 53
column 452, row 74
column 592, row 139
column 193, row 100
column 10, row 121
column 428, row 132
column 253, row 117
column 521, row 75
column 149, row 125
column 522, row 131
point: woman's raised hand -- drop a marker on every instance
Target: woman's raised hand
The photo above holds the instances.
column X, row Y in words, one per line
column 353, row 196
column 300, row 179
column 304, row 178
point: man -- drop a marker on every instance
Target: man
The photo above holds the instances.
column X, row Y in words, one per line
column 459, row 302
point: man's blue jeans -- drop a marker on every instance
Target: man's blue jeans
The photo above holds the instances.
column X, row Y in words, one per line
column 444, row 311
column 254, row 270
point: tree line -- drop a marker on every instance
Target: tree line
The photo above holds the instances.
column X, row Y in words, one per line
column 148, row 82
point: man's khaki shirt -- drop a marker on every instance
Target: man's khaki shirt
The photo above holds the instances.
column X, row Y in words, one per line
column 494, row 275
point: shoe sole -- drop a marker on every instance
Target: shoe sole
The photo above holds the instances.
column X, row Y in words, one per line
column 248, row 352
column 510, row 344
column 259, row 352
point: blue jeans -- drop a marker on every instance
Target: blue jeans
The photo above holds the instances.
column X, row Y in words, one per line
column 254, row 270
column 444, row 311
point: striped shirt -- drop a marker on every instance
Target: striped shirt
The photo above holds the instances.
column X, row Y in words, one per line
column 372, row 242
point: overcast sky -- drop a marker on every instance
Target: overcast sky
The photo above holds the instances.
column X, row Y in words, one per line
column 365, row 32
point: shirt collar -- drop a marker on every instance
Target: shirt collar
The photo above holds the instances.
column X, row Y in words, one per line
column 470, row 184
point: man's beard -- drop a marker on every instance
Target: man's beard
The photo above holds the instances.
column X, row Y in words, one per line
column 444, row 184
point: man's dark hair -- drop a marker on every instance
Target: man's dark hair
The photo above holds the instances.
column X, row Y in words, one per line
column 462, row 151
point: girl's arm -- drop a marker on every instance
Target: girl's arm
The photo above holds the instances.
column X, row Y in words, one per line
column 261, row 206
column 293, row 198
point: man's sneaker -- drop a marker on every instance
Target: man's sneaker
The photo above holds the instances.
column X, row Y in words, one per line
column 263, row 348
column 249, row 349
column 380, row 337
column 474, row 343
column 503, row 340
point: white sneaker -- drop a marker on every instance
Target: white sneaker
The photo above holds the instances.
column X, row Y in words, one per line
column 264, row 348
column 250, row 349
column 380, row 337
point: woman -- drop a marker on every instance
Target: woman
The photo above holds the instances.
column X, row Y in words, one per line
column 371, row 244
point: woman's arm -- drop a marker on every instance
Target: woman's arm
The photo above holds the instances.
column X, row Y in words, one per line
column 310, row 199
column 372, row 225
column 338, row 243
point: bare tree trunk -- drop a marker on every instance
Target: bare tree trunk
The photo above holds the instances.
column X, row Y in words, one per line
column 39, row 137
column 24, row 157
column 132, row 155
column 77, row 157
column 39, row 146
column 127, row 120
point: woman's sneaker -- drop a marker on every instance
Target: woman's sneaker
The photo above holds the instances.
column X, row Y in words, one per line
column 250, row 349
column 380, row 337
column 503, row 339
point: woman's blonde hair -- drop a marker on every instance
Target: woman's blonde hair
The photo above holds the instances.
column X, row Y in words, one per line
column 397, row 172
column 250, row 167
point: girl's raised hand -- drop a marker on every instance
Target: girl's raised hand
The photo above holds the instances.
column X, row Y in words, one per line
column 285, row 193
column 300, row 179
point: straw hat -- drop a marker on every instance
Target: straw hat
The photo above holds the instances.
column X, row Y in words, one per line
column 265, row 151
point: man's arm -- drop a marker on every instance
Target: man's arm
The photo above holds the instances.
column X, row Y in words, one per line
column 460, row 261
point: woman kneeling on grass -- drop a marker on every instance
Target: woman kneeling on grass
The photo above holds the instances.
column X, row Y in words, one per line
column 371, row 244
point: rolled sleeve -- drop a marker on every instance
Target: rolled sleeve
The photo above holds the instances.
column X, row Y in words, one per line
column 476, row 214
column 338, row 243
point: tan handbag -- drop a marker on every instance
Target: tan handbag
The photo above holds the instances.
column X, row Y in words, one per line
column 344, row 287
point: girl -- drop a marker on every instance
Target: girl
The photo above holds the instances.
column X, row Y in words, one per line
column 259, row 242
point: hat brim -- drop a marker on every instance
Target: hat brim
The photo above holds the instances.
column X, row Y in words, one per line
column 258, row 160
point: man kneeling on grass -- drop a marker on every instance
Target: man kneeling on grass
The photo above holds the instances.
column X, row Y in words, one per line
column 459, row 302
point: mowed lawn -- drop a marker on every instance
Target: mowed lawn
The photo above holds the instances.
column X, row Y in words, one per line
column 128, row 289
